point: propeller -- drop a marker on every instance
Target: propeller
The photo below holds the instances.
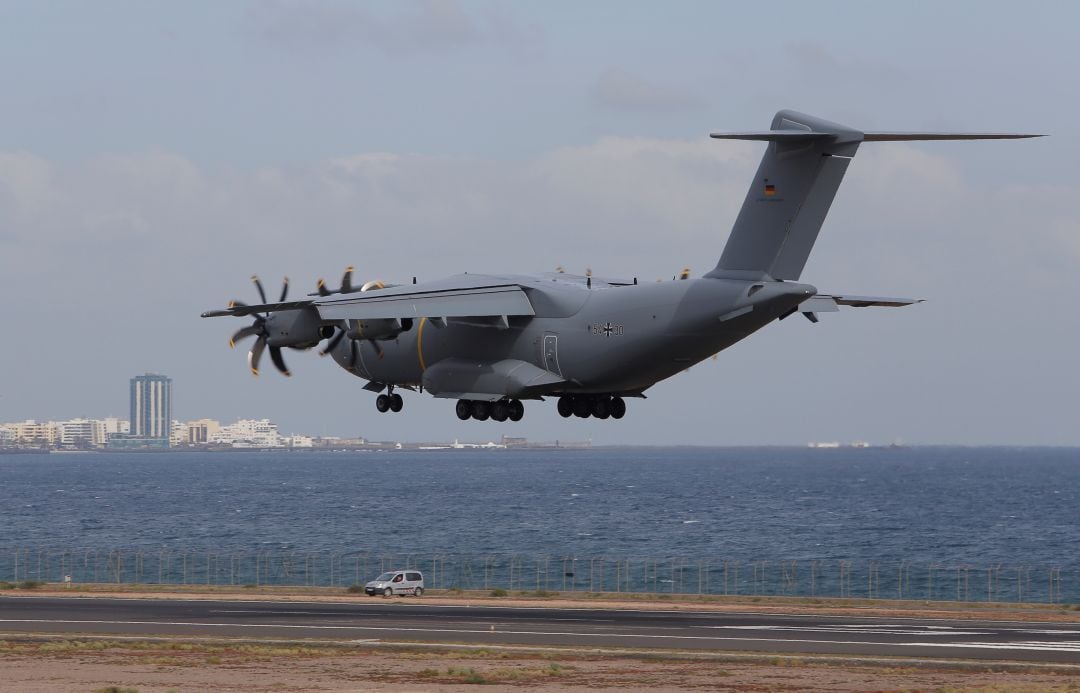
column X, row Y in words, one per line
column 340, row 332
column 342, row 329
column 258, row 329
column 346, row 284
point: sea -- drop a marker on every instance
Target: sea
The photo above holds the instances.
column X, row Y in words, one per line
column 923, row 505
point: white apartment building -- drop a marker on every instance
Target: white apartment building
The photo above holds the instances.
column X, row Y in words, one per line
column 31, row 432
column 80, row 433
column 249, row 433
column 114, row 424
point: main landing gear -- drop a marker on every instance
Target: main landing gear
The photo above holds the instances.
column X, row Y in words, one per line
column 584, row 406
column 482, row 411
column 389, row 402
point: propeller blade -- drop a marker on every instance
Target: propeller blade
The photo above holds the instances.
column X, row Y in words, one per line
column 321, row 288
column 346, row 280
column 279, row 361
column 334, row 341
column 255, row 354
column 244, row 333
column 259, row 286
column 353, row 352
column 284, row 290
column 378, row 349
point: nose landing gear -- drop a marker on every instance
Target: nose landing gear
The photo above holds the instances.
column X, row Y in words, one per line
column 584, row 406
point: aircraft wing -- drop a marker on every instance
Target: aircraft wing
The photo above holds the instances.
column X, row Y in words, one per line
column 463, row 296
column 448, row 300
column 237, row 309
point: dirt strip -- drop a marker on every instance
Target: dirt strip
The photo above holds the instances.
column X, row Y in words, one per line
column 62, row 664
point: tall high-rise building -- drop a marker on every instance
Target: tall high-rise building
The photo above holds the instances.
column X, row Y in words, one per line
column 151, row 406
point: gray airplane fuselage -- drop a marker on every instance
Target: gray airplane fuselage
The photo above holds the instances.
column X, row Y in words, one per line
column 599, row 337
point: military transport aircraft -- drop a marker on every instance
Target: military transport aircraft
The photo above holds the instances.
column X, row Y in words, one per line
column 491, row 341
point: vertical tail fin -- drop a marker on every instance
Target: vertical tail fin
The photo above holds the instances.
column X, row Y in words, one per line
column 794, row 186
column 790, row 196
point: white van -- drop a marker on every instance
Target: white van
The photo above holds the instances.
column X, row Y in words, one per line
column 399, row 582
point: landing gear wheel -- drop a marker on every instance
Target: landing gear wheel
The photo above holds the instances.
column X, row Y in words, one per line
column 517, row 410
column 500, row 411
column 582, row 407
column 463, row 409
column 481, row 411
column 566, row 407
column 618, row 408
column 600, row 408
column 382, row 403
column 388, row 592
column 396, row 403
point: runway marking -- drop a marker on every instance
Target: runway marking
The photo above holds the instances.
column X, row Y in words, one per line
column 1028, row 645
column 345, row 614
column 257, row 611
column 868, row 630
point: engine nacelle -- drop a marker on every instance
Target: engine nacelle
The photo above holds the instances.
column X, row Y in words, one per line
column 300, row 329
column 384, row 328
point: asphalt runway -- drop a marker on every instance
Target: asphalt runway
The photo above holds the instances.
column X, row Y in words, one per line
column 411, row 620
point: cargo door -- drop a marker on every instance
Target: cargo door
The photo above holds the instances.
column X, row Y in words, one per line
column 551, row 354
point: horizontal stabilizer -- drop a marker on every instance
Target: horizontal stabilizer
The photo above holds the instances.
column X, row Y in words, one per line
column 825, row 303
column 774, row 135
column 926, row 136
column 798, row 136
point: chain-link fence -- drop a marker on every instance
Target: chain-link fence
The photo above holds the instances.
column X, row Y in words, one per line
column 814, row 578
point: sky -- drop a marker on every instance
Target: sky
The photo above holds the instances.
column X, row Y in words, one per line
column 154, row 155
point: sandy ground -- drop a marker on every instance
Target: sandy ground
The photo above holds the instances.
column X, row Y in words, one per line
column 145, row 667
